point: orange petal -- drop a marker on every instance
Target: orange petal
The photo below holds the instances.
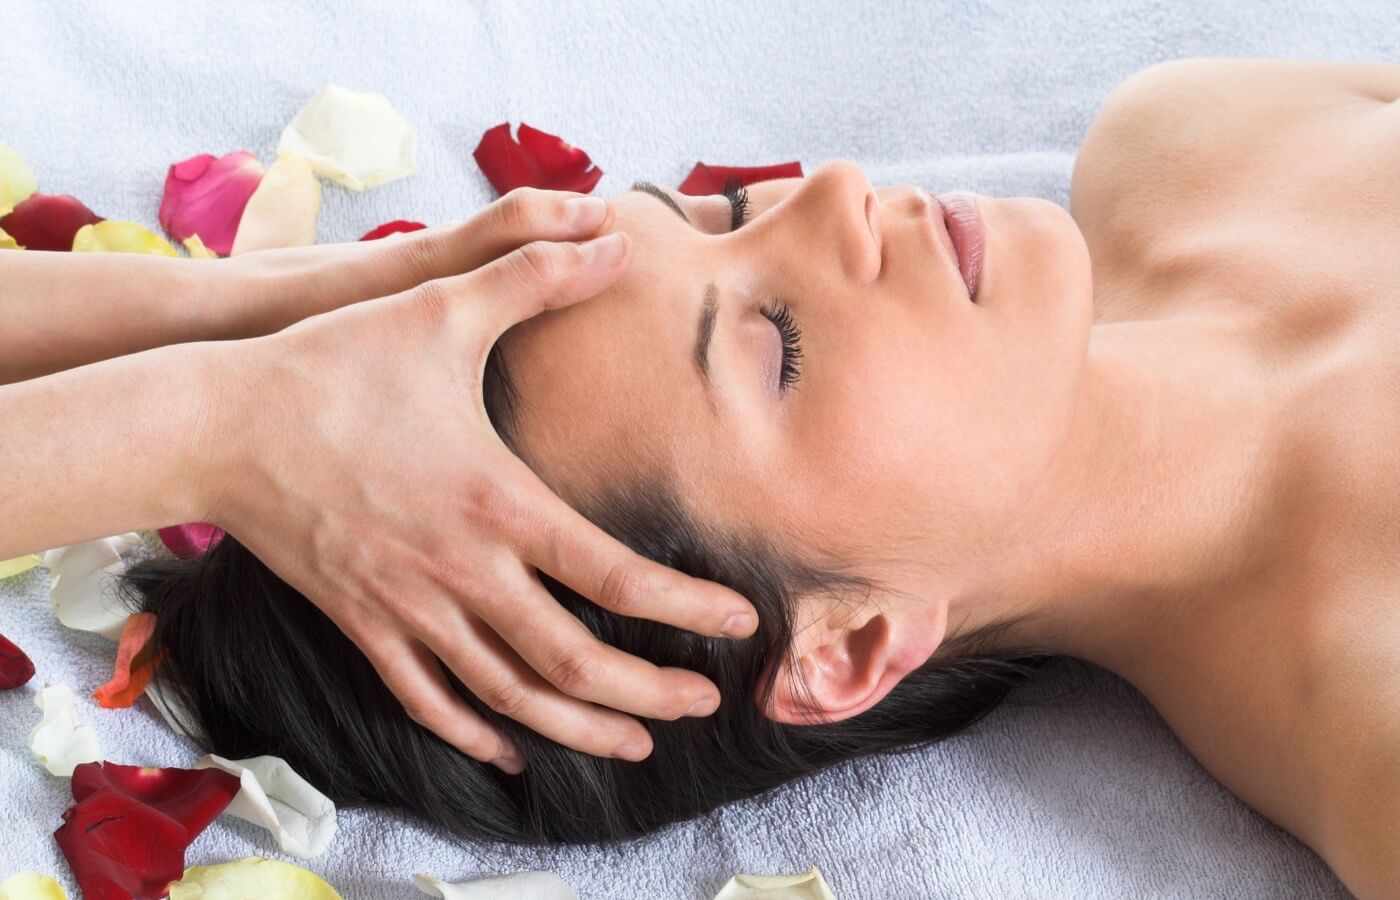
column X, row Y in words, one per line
column 134, row 666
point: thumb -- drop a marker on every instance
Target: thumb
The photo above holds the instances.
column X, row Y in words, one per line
column 543, row 275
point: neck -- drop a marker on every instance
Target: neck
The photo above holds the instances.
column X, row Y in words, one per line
column 1158, row 502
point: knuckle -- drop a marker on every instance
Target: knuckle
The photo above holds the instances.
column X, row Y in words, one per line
column 622, row 590
column 517, row 211
column 536, row 263
column 433, row 299
column 505, row 697
column 420, row 256
column 573, row 673
column 490, row 507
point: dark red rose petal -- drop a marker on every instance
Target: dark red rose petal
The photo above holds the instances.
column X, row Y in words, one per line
column 47, row 221
column 191, row 797
column 705, row 179
column 120, row 849
column 389, row 228
column 539, row 160
column 15, row 667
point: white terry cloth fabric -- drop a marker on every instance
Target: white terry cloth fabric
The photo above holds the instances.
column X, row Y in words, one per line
column 1089, row 798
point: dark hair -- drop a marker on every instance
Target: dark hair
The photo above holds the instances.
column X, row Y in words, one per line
column 264, row 671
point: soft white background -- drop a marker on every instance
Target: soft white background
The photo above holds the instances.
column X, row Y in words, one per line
column 1090, row 797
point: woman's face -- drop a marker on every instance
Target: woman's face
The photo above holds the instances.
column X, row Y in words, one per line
column 917, row 418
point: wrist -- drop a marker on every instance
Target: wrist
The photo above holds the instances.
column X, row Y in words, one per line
column 222, row 378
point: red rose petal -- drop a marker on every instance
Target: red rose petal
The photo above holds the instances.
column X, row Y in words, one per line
column 191, row 797
column 190, row 539
column 539, row 160
column 121, row 849
column 47, row 221
column 389, row 228
column 15, row 667
column 206, row 196
column 135, row 664
column 705, row 179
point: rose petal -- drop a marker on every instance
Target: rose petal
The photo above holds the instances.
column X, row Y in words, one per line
column 191, row 539
column 275, row 797
column 12, row 567
column 282, row 211
column 397, row 226
column 265, row 879
column 16, row 180
column 120, row 237
column 191, row 797
column 16, row 668
column 31, row 886
column 353, row 138
column 61, row 740
column 521, row 885
column 84, row 588
column 207, row 196
column 539, row 160
column 120, row 848
column 808, row 885
column 134, row 666
column 48, row 221
column 705, row 179
column 7, row 242
column 195, row 247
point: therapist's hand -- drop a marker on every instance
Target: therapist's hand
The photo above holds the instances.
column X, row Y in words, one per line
column 351, row 452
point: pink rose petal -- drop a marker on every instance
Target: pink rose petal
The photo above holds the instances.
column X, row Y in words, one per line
column 206, row 196
column 191, row 539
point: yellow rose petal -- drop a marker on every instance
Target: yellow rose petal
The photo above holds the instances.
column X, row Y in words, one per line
column 12, row 567
column 196, row 248
column 266, row 879
column 7, row 242
column 16, row 181
column 120, row 237
column 31, row 886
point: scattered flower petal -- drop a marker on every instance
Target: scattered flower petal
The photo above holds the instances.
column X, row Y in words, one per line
column 277, row 798
column 16, row 668
column 134, row 666
column 191, row 539
column 84, row 590
column 108, row 236
column 195, row 247
column 397, row 226
column 11, row 567
column 705, row 179
column 31, row 886
column 265, row 879
column 206, row 196
column 808, row 885
column 539, row 160
column 120, row 848
column 353, row 138
column 48, row 221
column 191, row 797
column 515, row 886
column 16, row 180
column 61, row 740
column 282, row 212
column 7, row 242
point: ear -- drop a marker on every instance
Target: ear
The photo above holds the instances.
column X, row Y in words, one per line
column 850, row 665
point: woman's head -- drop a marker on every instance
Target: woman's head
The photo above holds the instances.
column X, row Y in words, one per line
column 850, row 509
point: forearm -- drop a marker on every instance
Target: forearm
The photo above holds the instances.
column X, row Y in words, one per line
column 110, row 447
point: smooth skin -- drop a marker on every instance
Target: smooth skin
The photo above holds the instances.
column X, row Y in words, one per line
column 324, row 406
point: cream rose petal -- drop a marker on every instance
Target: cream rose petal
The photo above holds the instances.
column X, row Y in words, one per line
column 354, row 138
column 61, row 740
column 7, row 242
column 108, row 236
column 12, row 567
column 253, row 877
column 31, row 886
column 808, row 885
column 16, row 180
column 274, row 796
column 282, row 211
column 515, row 886
column 84, row 586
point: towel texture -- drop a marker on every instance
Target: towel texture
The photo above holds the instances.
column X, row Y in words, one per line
column 1083, row 795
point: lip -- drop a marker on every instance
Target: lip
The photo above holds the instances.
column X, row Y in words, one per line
column 962, row 221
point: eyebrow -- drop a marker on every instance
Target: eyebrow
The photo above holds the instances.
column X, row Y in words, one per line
column 709, row 309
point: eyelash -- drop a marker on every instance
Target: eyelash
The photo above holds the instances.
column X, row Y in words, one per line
column 777, row 312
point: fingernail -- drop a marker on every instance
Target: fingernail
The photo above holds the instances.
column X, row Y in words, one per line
column 586, row 212
column 704, row 706
column 513, row 765
column 739, row 624
column 636, row 751
column 604, row 250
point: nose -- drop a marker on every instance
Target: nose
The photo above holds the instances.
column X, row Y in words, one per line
column 837, row 209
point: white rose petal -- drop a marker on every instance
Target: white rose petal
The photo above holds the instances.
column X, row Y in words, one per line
column 274, row 796
column 61, row 740
column 516, row 886
column 808, row 885
column 353, row 138
column 84, row 588
column 282, row 211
